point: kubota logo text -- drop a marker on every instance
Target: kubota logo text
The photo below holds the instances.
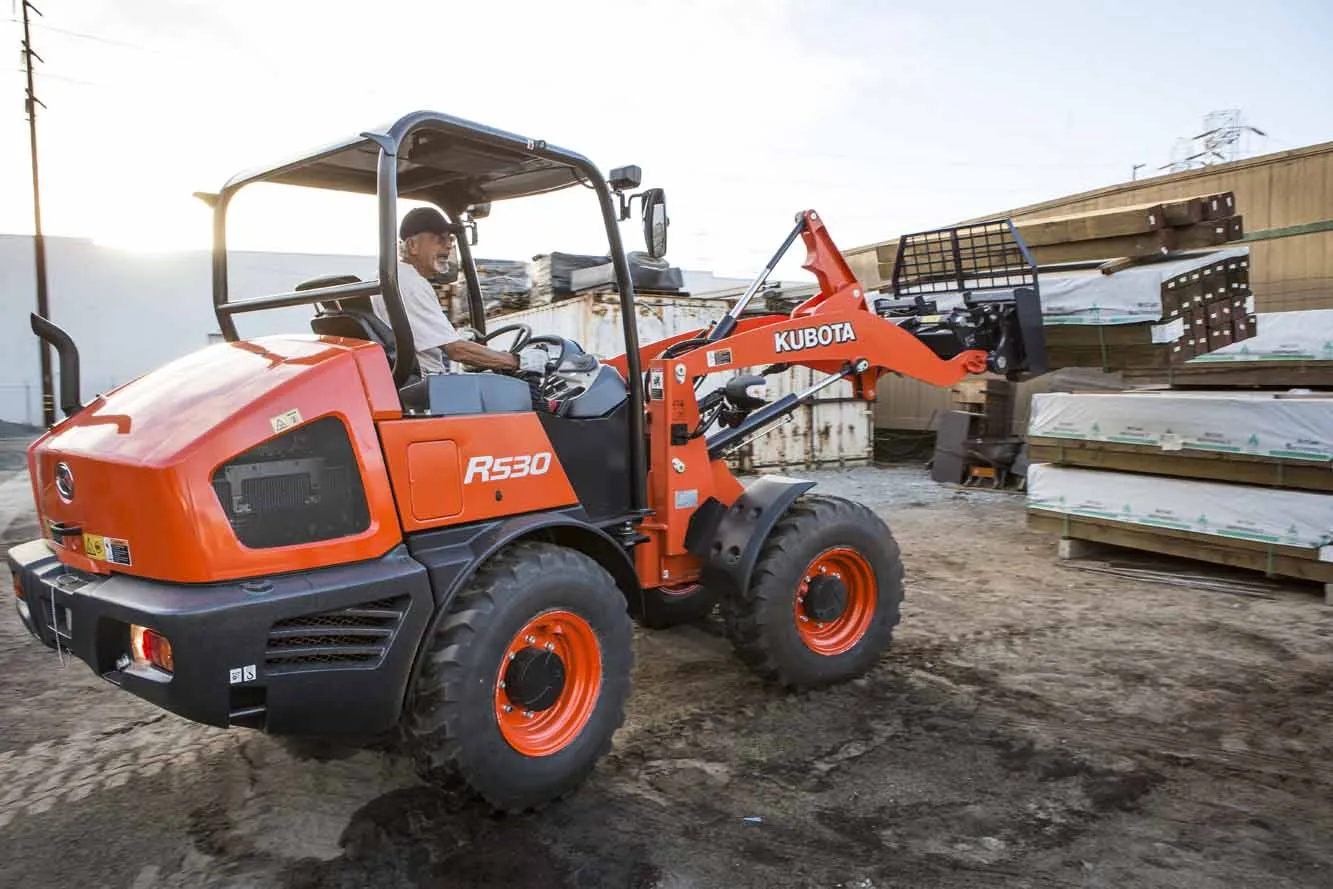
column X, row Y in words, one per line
column 485, row 468
column 810, row 337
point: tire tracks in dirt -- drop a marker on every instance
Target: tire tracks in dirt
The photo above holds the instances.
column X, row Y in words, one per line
column 79, row 765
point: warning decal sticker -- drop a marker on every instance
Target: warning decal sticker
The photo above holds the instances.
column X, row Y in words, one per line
column 283, row 422
column 107, row 549
column 719, row 357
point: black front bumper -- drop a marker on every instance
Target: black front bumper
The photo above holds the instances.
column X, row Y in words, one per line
column 326, row 652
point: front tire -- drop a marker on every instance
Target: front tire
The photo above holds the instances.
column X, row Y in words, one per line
column 824, row 597
column 526, row 678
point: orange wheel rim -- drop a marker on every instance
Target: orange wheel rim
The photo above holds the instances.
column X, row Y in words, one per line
column 835, row 601
column 547, row 685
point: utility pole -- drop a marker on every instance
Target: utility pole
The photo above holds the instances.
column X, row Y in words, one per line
column 38, row 243
column 1134, row 173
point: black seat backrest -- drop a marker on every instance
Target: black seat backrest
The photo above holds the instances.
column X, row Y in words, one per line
column 353, row 317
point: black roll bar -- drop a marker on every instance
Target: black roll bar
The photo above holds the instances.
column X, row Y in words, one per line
column 386, row 188
column 475, row 310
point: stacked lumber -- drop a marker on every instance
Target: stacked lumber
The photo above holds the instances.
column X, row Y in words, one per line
column 1283, row 350
column 1140, row 233
column 1241, row 479
column 1201, row 305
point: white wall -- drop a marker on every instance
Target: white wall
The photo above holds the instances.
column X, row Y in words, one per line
column 130, row 312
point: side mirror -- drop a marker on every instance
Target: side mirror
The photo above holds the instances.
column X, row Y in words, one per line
column 655, row 222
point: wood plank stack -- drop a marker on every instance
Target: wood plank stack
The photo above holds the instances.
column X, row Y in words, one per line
column 1202, row 309
column 1286, row 350
column 1142, row 232
column 1240, row 479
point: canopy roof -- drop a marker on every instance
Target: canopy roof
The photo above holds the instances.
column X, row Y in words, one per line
column 442, row 159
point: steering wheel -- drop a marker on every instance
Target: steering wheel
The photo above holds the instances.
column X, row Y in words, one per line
column 554, row 340
column 523, row 338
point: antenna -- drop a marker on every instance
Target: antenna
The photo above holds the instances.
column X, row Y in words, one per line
column 38, row 242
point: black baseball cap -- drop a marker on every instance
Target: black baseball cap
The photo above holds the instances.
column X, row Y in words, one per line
column 423, row 219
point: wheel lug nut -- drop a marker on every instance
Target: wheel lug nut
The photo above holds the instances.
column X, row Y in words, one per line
column 527, row 713
column 509, row 708
column 512, row 655
column 550, row 646
column 502, row 683
column 804, row 619
column 823, row 569
column 531, row 639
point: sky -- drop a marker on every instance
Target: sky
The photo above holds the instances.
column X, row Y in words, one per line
column 885, row 117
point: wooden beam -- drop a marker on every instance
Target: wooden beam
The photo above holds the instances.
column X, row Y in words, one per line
column 1270, row 374
column 1205, row 234
column 1276, row 560
column 1092, row 226
column 1153, row 243
column 1303, row 475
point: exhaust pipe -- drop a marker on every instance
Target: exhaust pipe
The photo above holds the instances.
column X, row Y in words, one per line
column 69, row 362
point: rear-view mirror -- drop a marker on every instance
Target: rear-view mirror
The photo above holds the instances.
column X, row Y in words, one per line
column 655, row 222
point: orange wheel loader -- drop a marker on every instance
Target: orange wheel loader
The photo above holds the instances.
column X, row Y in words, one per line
column 305, row 535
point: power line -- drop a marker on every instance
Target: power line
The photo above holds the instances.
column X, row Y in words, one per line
column 95, row 38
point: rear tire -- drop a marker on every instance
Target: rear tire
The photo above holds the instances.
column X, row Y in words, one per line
column 672, row 606
column 535, row 613
column 824, row 596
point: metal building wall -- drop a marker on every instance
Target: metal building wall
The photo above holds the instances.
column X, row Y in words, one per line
column 1274, row 191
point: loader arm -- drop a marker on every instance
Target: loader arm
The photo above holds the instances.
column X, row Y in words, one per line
column 838, row 332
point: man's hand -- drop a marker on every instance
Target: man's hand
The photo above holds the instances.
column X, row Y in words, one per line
column 533, row 360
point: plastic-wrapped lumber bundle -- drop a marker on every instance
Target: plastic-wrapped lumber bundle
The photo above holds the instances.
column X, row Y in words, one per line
column 506, row 286
column 552, row 274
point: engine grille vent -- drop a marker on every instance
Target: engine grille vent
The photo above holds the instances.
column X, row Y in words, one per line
column 346, row 637
column 299, row 487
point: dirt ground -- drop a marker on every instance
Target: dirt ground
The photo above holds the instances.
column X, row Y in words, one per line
column 1032, row 726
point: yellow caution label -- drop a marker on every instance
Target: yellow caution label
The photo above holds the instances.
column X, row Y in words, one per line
column 94, row 545
column 107, row 549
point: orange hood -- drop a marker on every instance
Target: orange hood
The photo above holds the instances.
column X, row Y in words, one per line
column 140, row 459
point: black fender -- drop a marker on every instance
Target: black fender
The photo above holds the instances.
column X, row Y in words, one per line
column 452, row 556
column 728, row 538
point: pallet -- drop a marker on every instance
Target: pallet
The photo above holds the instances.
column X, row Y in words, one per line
column 1272, row 560
column 1301, row 475
column 1270, row 374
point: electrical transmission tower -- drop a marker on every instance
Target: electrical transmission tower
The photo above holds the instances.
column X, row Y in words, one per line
column 1225, row 138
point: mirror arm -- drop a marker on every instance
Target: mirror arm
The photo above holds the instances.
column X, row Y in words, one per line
column 627, row 201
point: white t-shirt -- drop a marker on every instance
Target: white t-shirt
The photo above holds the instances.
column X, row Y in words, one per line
column 431, row 329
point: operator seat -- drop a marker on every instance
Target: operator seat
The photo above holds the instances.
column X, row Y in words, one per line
column 353, row 318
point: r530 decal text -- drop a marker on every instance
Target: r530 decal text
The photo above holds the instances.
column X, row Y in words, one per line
column 485, row 468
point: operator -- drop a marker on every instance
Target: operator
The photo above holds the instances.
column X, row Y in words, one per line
column 423, row 247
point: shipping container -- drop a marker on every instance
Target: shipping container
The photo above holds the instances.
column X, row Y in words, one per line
column 833, row 431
